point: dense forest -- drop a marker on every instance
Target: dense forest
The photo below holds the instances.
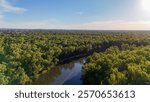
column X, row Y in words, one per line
column 119, row 67
column 114, row 57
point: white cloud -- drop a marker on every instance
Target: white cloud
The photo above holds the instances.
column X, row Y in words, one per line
column 96, row 25
column 114, row 25
column 5, row 6
column 45, row 24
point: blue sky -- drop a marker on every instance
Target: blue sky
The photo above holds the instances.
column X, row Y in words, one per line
column 74, row 14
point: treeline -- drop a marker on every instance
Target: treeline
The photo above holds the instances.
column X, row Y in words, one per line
column 23, row 57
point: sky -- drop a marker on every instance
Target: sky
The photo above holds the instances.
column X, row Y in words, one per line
column 75, row 14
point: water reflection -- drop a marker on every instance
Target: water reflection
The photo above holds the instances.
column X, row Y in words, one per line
column 66, row 74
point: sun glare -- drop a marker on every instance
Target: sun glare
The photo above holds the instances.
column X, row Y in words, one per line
column 146, row 5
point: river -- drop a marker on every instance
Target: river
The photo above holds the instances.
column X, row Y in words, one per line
column 66, row 74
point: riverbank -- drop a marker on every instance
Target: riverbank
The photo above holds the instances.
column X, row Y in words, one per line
column 65, row 74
